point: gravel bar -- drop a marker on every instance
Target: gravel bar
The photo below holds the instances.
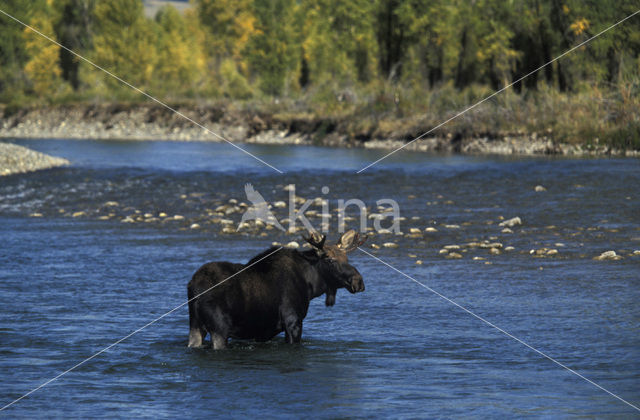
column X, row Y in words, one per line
column 16, row 159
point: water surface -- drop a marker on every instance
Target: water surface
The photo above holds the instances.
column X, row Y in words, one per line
column 70, row 286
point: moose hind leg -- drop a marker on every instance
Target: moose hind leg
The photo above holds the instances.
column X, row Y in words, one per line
column 293, row 330
column 196, row 336
column 197, row 332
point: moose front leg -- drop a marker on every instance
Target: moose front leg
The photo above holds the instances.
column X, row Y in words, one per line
column 293, row 330
column 218, row 341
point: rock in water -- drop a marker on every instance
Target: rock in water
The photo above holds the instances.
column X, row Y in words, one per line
column 608, row 255
column 16, row 159
column 511, row 222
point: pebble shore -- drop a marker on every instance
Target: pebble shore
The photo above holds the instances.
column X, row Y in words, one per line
column 151, row 122
column 16, row 159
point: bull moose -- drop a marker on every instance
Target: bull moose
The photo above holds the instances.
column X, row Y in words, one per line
column 271, row 293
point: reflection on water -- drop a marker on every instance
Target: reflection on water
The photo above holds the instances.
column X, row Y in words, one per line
column 74, row 279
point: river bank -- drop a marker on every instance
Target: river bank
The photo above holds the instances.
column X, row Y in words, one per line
column 154, row 122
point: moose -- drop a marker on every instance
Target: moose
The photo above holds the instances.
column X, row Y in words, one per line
column 271, row 293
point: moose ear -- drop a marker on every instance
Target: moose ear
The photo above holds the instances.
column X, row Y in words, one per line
column 347, row 238
column 350, row 240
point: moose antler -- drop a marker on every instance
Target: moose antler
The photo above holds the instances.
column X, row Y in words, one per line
column 315, row 239
column 350, row 240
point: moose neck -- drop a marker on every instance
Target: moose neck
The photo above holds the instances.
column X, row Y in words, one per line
column 313, row 277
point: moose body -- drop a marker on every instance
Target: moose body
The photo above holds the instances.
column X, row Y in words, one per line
column 270, row 294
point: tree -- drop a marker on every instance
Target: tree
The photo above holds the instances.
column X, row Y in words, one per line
column 73, row 30
column 181, row 59
column 42, row 66
column 125, row 43
column 392, row 38
column 338, row 40
column 272, row 51
column 13, row 54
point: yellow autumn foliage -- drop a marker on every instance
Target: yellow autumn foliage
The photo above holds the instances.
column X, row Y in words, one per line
column 181, row 61
column 42, row 68
column 579, row 26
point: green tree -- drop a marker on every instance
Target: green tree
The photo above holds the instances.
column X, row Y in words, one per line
column 272, row 51
column 13, row 54
column 73, row 30
column 339, row 40
column 125, row 43
column 230, row 22
column 181, row 59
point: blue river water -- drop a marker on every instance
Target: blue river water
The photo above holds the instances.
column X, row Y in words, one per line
column 74, row 279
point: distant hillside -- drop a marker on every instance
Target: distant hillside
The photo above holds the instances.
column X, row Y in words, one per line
column 151, row 7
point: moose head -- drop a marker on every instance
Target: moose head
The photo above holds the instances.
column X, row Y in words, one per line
column 333, row 263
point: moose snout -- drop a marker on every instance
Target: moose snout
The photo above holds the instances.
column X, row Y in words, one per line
column 357, row 283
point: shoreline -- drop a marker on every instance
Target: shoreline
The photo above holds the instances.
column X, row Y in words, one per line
column 144, row 122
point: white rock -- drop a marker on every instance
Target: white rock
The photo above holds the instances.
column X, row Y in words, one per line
column 194, row 226
column 608, row 255
column 431, row 229
column 511, row 222
column 390, row 245
column 243, row 225
column 293, row 245
column 279, row 204
column 539, row 188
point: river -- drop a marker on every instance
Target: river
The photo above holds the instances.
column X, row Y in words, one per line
column 74, row 279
